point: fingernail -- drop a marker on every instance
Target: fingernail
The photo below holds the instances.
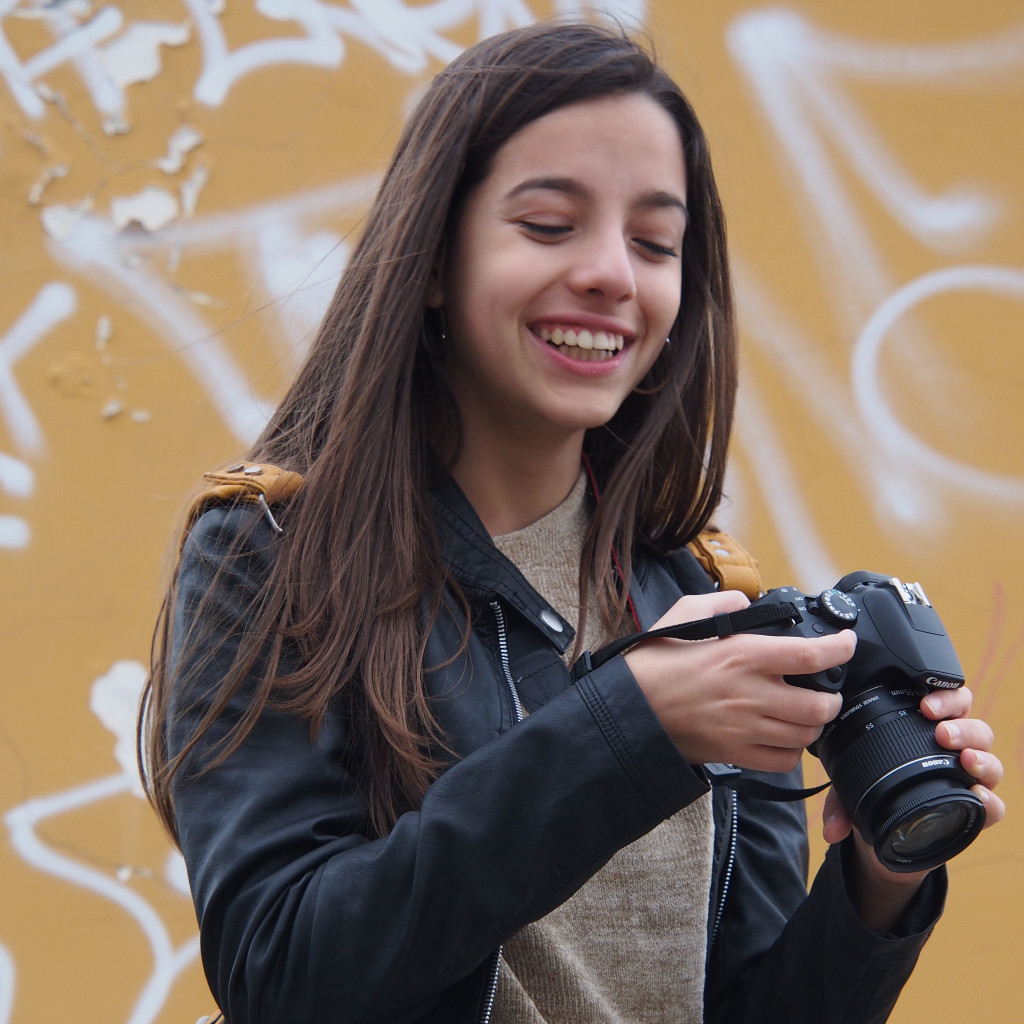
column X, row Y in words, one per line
column 953, row 731
column 934, row 704
column 982, row 793
column 980, row 760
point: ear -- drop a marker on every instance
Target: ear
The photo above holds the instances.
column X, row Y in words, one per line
column 435, row 292
column 435, row 288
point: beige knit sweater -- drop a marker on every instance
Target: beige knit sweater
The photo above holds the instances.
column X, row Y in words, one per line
column 629, row 946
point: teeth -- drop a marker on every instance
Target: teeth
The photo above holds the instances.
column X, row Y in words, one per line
column 600, row 341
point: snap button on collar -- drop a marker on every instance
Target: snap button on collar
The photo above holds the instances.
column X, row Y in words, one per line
column 551, row 620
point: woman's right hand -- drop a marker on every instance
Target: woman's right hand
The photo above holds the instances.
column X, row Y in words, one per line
column 726, row 699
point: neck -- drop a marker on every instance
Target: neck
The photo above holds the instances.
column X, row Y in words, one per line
column 510, row 487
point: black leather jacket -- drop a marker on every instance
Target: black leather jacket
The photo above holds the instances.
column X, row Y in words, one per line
column 303, row 918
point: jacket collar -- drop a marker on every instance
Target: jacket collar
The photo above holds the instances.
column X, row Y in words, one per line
column 482, row 571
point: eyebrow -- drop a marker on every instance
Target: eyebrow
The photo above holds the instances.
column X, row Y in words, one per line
column 656, row 200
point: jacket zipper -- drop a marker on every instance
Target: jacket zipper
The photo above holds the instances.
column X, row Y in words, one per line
column 517, row 711
column 734, row 830
column 517, row 706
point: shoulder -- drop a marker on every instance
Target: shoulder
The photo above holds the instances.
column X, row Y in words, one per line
column 232, row 540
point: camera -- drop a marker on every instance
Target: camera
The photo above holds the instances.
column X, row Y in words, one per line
column 908, row 797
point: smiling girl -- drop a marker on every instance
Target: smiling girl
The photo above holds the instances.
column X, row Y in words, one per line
column 394, row 802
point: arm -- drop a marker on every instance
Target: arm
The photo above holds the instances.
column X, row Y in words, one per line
column 304, row 917
column 805, row 957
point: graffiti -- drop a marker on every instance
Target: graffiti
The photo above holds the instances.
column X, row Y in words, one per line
column 409, row 37
column 794, row 69
column 114, row 700
column 877, row 412
column 76, row 44
column 16, row 478
column 8, row 975
column 54, row 304
column 306, row 272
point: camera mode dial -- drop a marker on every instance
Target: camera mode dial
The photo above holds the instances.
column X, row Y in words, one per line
column 837, row 609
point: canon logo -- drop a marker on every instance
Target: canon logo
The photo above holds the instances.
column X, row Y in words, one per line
column 936, row 762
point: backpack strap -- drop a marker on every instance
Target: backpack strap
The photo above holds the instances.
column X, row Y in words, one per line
column 727, row 563
column 260, row 483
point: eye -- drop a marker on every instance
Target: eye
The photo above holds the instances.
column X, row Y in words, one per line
column 546, row 232
column 654, row 249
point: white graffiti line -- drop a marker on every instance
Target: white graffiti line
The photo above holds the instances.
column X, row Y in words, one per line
column 781, row 491
column 791, row 66
column 114, row 699
column 94, row 251
column 875, row 409
column 222, row 67
column 8, row 975
column 54, row 304
column 99, row 252
column 408, row 37
column 16, row 478
column 76, row 44
column 628, row 13
column 824, row 393
column 168, row 962
column 303, row 269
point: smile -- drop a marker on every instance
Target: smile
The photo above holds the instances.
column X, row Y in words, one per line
column 589, row 346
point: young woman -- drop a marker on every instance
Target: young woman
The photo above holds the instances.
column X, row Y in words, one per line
column 394, row 802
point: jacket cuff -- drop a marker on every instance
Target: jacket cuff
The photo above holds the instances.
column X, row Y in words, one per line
column 635, row 734
column 915, row 924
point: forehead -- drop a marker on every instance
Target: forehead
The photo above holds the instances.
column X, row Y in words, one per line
column 627, row 143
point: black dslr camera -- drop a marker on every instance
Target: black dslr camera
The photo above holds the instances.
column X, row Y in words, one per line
column 908, row 797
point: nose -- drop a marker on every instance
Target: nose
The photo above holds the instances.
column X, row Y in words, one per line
column 604, row 267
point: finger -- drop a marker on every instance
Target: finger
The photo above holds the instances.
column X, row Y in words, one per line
column 703, row 606
column 948, row 704
column 983, row 766
column 794, row 655
column 836, row 823
column 995, row 809
column 964, row 733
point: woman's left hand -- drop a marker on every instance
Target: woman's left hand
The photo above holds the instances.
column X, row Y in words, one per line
column 884, row 894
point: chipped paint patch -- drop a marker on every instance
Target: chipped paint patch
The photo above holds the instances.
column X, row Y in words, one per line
column 135, row 55
column 152, row 209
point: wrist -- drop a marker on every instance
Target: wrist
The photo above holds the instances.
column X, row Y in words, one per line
column 880, row 896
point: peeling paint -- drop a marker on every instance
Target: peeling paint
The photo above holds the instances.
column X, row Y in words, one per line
column 151, row 209
column 49, row 174
column 181, row 143
column 61, row 220
column 135, row 55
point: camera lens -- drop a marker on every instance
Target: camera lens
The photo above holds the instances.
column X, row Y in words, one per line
column 908, row 796
column 931, row 823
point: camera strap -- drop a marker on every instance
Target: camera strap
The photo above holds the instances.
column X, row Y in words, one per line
column 718, row 626
column 730, row 777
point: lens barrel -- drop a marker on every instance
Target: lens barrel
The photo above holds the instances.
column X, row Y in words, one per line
column 908, row 797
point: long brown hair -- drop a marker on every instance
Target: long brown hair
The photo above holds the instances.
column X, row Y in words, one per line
column 357, row 577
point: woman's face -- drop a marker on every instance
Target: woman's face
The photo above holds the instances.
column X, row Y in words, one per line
column 563, row 276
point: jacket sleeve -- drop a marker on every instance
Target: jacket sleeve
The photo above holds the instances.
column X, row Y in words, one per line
column 302, row 916
column 782, row 953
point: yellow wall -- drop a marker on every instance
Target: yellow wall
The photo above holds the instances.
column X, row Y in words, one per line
column 870, row 156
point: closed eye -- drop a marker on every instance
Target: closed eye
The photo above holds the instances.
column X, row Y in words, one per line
column 655, row 249
column 545, row 231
